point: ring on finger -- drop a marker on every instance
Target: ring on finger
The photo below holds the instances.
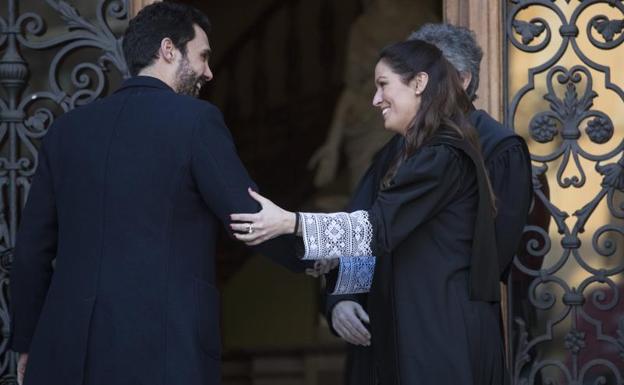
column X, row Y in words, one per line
column 250, row 228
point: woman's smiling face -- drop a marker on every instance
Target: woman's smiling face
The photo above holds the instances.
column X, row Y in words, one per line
column 399, row 102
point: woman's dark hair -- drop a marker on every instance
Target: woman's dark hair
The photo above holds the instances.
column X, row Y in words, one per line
column 155, row 22
column 444, row 103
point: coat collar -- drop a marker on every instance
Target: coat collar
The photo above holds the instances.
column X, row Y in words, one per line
column 144, row 82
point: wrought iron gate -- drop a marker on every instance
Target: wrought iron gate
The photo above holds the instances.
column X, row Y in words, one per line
column 564, row 77
column 565, row 95
column 81, row 57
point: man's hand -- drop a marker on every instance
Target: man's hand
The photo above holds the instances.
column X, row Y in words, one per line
column 21, row 367
column 322, row 267
column 347, row 318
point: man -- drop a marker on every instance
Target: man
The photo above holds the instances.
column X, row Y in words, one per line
column 128, row 197
column 508, row 163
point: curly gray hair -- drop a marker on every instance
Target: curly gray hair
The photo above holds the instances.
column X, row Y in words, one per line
column 459, row 46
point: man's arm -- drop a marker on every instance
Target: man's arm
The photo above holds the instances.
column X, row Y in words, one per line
column 35, row 250
column 223, row 182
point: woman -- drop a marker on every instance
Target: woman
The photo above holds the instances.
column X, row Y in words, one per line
column 433, row 301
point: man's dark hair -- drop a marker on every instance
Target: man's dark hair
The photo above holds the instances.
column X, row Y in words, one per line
column 155, row 22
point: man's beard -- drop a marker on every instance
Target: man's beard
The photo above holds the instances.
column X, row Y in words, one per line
column 188, row 82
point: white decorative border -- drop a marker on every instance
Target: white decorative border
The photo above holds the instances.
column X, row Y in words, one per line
column 336, row 235
column 355, row 275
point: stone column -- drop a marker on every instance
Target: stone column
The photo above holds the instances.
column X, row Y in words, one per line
column 137, row 5
column 485, row 17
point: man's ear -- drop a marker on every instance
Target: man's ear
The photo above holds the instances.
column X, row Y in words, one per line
column 167, row 50
column 466, row 78
column 419, row 83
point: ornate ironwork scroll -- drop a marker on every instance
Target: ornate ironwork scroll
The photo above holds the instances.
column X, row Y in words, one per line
column 566, row 287
column 73, row 79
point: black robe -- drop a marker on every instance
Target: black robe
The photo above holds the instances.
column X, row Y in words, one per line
column 507, row 161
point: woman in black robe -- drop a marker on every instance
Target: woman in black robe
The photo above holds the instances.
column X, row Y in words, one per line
column 434, row 311
column 507, row 162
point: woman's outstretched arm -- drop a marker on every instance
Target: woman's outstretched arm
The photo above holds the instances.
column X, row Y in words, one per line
column 423, row 186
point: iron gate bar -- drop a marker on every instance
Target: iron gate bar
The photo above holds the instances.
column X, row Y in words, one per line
column 563, row 120
column 24, row 119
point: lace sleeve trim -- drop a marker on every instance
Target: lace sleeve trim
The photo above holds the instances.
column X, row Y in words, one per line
column 336, row 235
column 355, row 275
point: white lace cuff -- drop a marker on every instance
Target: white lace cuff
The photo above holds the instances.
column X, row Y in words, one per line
column 336, row 235
column 355, row 275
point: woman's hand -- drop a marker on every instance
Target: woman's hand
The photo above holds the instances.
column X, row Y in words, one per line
column 270, row 222
column 348, row 318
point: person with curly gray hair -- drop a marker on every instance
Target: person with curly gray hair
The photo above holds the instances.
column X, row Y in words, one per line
column 459, row 46
column 508, row 163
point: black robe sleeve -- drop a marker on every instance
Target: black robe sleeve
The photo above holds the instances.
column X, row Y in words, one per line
column 363, row 197
column 510, row 173
column 423, row 185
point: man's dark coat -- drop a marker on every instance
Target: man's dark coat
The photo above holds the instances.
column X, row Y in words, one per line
column 129, row 194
